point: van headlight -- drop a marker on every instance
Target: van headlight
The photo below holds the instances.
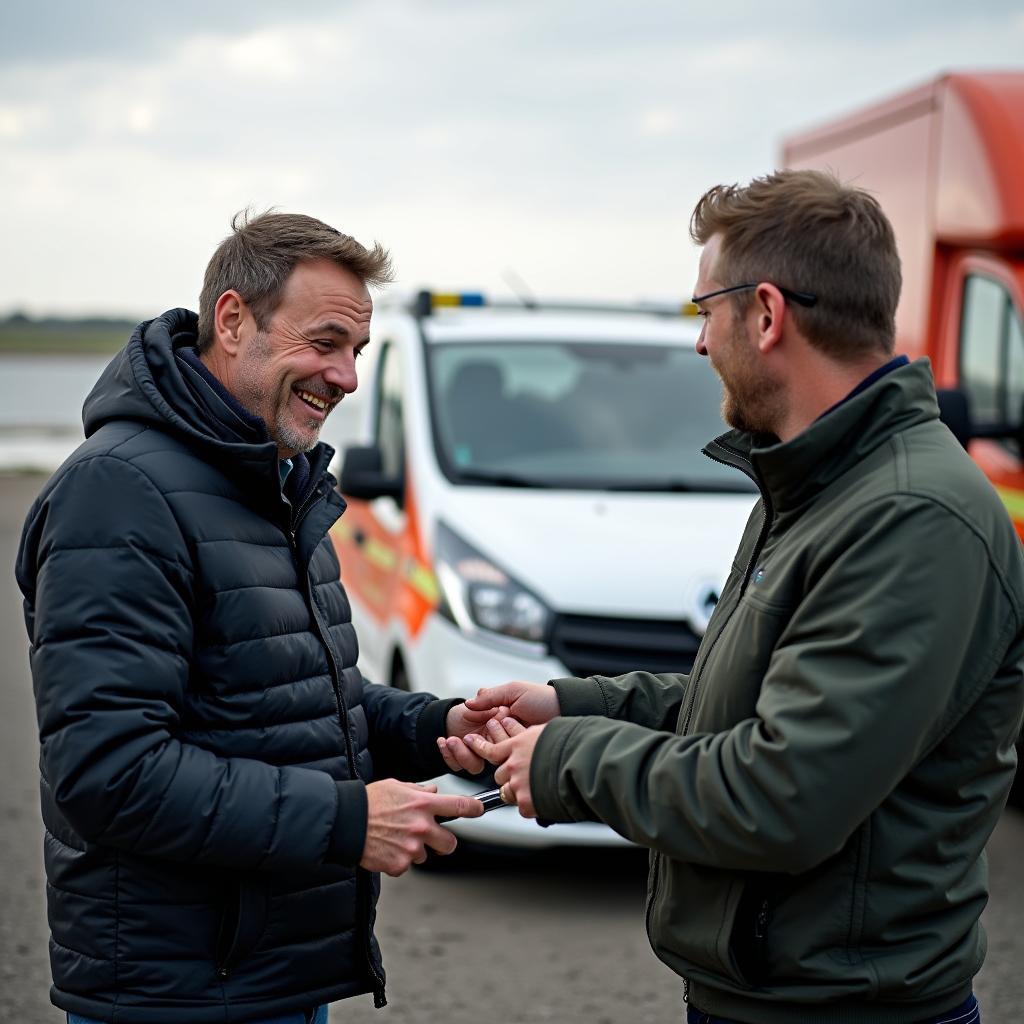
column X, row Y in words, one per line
column 478, row 595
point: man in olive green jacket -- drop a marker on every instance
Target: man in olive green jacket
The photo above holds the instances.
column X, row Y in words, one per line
column 818, row 791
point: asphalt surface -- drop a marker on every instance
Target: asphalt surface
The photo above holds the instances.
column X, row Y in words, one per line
column 559, row 938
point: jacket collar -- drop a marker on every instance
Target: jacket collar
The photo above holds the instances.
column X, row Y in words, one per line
column 791, row 473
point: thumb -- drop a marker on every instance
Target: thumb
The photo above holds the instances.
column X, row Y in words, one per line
column 491, row 697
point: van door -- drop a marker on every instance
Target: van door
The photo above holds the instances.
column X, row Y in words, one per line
column 991, row 370
column 369, row 536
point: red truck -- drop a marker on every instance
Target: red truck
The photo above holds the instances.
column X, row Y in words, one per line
column 946, row 161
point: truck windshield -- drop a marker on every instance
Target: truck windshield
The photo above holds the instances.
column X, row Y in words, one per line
column 578, row 415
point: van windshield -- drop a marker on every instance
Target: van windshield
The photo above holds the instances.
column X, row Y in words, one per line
column 578, row 415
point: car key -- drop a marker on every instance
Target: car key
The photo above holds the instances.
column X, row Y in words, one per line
column 490, row 798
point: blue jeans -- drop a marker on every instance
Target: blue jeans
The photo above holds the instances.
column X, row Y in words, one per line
column 319, row 1017
column 965, row 1013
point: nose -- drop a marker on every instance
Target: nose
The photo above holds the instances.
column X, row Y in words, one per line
column 340, row 371
column 702, row 348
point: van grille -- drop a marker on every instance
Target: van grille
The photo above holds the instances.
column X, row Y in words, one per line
column 589, row 645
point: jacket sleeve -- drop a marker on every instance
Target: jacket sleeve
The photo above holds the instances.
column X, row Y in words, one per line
column 109, row 602
column 643, row 698
column 404, row 728
column 907, row 622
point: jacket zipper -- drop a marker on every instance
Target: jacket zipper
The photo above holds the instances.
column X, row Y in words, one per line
column 759, row 544
column 760, row 937
column 745, row 466
column 362, row 878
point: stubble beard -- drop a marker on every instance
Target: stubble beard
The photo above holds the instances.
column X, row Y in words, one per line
column 251, row 391
column 751, row 400
column 288, row 435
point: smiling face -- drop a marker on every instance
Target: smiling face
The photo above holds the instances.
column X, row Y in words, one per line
column 296, row 371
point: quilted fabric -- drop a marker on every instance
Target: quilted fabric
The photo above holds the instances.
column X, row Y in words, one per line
column 205, row 735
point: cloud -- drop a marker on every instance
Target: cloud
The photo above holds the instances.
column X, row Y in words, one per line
column 567, row 140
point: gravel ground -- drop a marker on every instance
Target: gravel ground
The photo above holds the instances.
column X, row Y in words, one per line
column 511, row 939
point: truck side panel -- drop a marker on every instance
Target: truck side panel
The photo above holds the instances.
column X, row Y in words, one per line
column 892, row 156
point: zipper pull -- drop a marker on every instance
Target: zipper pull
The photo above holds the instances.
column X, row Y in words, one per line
column 379, row 999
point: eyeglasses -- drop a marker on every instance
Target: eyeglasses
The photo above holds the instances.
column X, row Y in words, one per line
column 802, row 298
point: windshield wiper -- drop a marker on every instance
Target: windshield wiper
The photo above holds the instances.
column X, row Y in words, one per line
column 498, row 478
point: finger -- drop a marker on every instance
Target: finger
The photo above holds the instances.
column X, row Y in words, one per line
column 525, row 804
column 446, row 805
column 441, row 840
column 463, row 757
column 451, row 762
column 503, row 729
column 496, row 753
column 493, row 697
column 511, row 726
column 502, row 775
column 479, row 717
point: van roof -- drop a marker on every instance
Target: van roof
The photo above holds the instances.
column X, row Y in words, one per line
column 461, row 324
column 464, row 325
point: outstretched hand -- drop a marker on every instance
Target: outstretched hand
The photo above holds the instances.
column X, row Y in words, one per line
column 460, row 723
column 531, row 703
column 401, row 822
column 510, row 746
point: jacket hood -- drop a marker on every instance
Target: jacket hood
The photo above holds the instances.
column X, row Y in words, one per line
column 791, row 472
column 151, row 381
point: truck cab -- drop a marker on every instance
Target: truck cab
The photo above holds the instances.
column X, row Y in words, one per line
column 945, row 161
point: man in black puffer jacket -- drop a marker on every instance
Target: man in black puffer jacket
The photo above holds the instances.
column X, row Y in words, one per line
column 208, row 747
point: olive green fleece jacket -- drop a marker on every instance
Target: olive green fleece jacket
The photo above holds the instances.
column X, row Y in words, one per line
column 817, row 793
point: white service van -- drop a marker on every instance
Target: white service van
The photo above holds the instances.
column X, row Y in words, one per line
column 532, row 502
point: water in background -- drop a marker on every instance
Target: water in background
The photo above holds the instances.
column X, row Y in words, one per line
column 41, row 409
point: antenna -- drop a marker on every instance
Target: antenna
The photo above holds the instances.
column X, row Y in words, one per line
column 519, row 288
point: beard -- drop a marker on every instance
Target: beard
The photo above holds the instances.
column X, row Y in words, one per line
column 255, row 391
column 752, row 400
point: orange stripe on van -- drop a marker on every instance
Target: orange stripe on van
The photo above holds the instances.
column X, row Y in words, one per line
column 389, row 574
column 419, row 593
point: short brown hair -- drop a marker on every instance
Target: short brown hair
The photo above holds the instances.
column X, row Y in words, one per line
column 807, row 231
column 257, row 258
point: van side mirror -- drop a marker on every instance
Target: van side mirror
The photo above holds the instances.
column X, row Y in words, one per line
column 955, row 412
column 362, row 478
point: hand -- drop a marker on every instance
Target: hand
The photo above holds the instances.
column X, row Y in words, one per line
column 511, row 747
column 531, row 703
column 401, row 822
column 459, row 723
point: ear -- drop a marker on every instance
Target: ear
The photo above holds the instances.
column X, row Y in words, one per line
column 229, row 315
column 770, row 307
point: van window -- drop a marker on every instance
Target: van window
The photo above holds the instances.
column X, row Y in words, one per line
column 991, row 353
column 1015, row 370
column 578, row 415
column 390, row 432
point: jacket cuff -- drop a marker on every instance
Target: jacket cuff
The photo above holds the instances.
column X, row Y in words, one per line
column 546, row 770
column 349, row 834
column 431, row 724
column 579, row 697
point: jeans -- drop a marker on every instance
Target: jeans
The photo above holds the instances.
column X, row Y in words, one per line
column 966, row 1013
column 317, row 1016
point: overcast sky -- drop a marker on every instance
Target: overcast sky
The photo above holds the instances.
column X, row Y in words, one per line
column 564, row 141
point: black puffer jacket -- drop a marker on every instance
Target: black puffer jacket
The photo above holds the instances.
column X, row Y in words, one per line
column 205, row 734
